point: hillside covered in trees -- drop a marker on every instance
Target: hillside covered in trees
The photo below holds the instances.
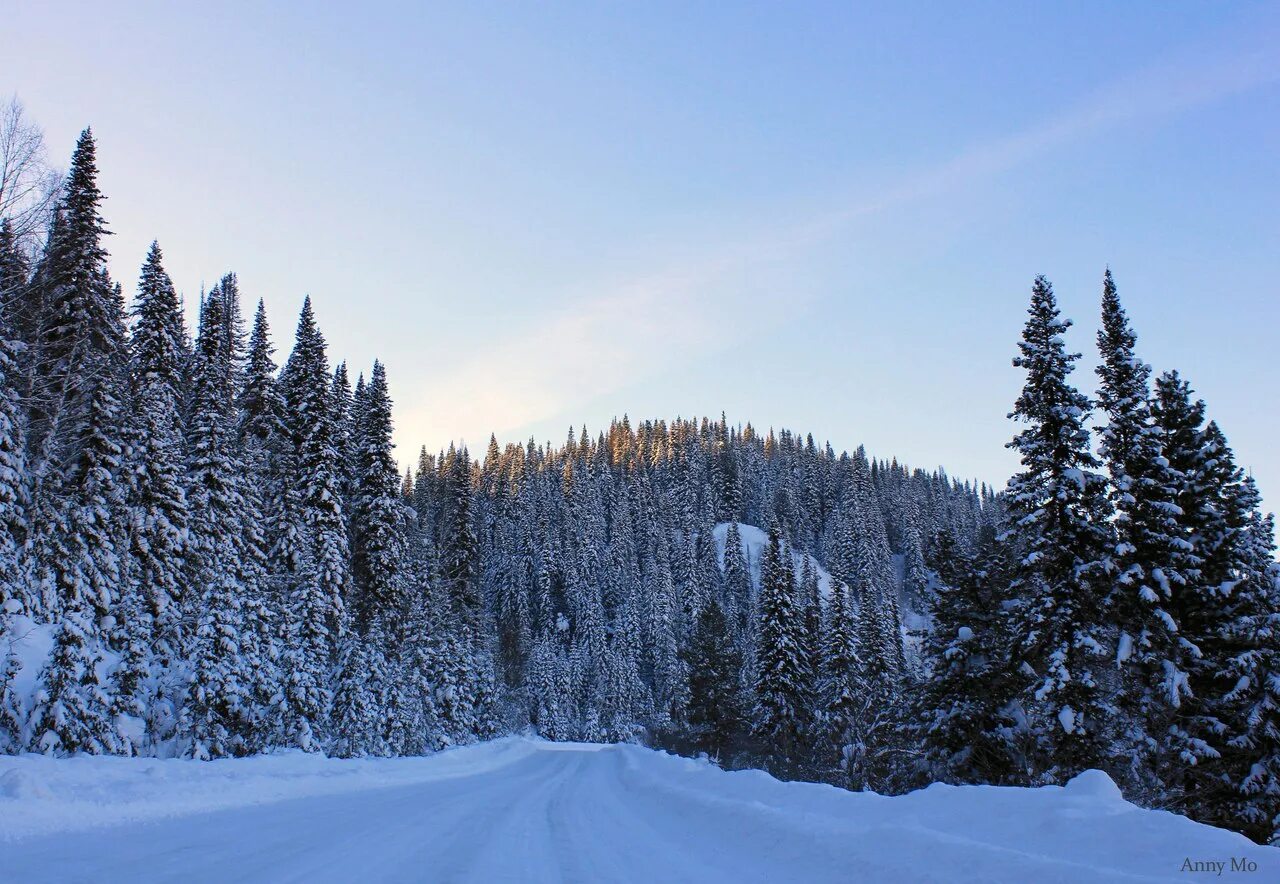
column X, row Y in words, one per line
column 204, row 553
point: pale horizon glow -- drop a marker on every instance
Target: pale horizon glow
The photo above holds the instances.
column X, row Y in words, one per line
column 821, row 218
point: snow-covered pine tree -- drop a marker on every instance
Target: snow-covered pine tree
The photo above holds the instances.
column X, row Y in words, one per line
column 232, row 330
column 1194, row 736
column 15, row 592
column 132, row 697
column 72, row 710
column 75, row 430
column 80, row 327
column 12, row 704
column 157, row 500
column 669, row 673
column 966, row 683
column 1150, row 555
column 15, row 273
column 78, row 552
column 357, row 715
column 15, row 597
column 783, row 666
column 737, row 582
column 413, row 720
column 474, row 707
column 381, row 520
column 320, row 576
column 809, row 597
column 1059, row 521
column 232, row 649
column 380, row 577
column 1246, row 658
column 345, row 421
column 717, row 715
column 844, row 698
column 261, row 409
column 1226, row 732
column 159, row 343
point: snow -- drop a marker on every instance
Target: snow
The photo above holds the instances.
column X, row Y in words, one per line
column 1075, row 476
column 32, row 643
column 964, row 633
column 522, row 810
column 1124, row 649
column 1067, row 717
column 754, row 542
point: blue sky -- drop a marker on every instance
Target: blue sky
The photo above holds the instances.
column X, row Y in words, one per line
column 821, row 216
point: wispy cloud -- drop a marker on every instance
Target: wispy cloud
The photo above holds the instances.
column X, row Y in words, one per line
column 642, row 328
column 537, row 372
column 1208, row 75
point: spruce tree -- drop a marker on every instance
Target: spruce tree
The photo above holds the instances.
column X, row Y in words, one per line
column 716, row 714
column 159, row 343
column 356, row 712
column 782, row 672
column 1247, row 672
column 131, row 693
column 261, row 408
column 15, row 534
column 80, row 348
column 12, row 704
column 320, row 571
column 1194, row 735
column 157, row 499
column 1059, row 520
column 966, row 682
column 15, row 272
column 232, row 665
column 381, row 521
column 72, row 709
column 737, row 581
column 1150, row 555
column 844, row 697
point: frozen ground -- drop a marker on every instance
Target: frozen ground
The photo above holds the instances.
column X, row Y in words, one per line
column 522, row 810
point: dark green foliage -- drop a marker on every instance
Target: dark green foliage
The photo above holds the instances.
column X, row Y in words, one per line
column 1059, row 522
column 716, row 712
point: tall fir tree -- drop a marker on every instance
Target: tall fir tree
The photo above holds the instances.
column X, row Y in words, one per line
column 1060, row 523
column 381, row 520
column 157, row 499
column 964, row 735
column 15, row 595
column 783, row 666
column 80, row 343
column 321, row 577
column 15, row 529
column 716, row 708
column 230, row 645
column 845, row 698
column 1247, row 672
column 1150, row 556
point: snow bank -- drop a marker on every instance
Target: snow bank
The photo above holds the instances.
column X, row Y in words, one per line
column 42, row 795
column 518, row 809
column 1083, row 831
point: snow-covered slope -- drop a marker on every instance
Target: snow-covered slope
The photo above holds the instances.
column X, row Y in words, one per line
column 754, row 541
column 521, row 810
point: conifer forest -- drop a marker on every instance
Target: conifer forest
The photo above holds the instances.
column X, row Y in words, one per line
column 228, row 557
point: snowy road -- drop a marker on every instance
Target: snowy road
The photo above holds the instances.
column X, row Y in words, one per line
column 525, row 811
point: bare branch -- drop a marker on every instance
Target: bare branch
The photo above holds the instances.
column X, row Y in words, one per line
column 29, row 185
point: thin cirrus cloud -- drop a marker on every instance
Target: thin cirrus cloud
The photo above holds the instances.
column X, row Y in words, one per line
column 565, row 360
column 639, row 329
